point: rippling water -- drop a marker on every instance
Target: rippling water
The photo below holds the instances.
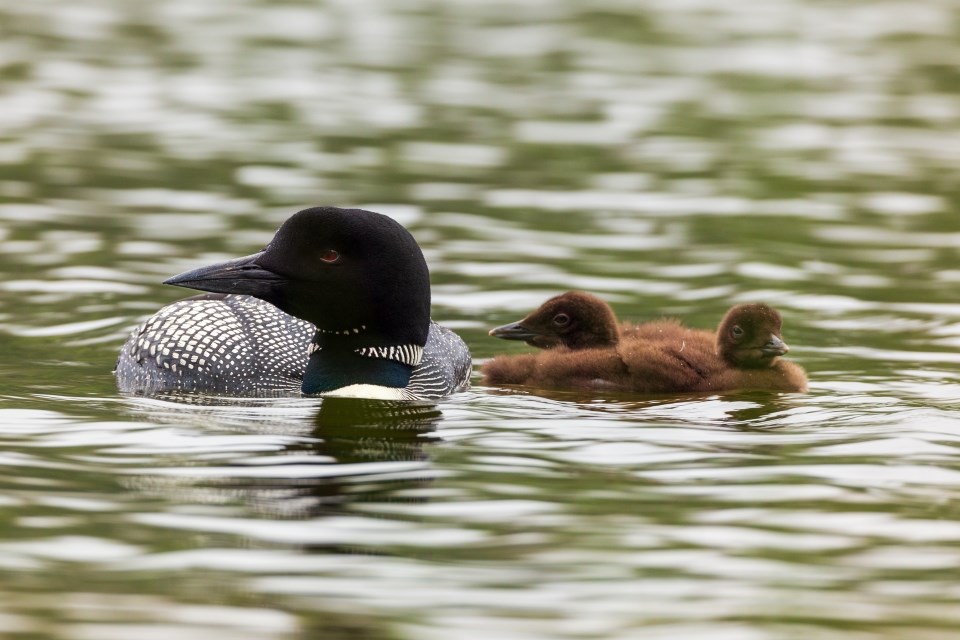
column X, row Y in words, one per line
column 674, row 157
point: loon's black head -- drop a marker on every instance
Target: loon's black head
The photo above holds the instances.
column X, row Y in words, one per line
column 357, row 275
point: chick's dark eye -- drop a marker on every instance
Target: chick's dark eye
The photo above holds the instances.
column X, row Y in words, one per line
column 736, row 331
column 561, row 319
column 330, row 255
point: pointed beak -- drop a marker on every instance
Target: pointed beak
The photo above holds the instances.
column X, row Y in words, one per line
column 240, row 275
column 513, row 331
column 775, row 347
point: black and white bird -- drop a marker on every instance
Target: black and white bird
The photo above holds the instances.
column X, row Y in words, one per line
column 337, row 304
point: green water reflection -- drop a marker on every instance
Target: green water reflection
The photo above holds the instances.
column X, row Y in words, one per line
column 673, row 157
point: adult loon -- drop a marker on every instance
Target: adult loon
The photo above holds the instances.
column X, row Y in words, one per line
column 338, row 304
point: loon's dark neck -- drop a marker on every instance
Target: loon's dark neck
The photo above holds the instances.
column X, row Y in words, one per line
column 335, row 363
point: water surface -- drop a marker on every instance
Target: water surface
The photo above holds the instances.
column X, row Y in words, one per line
column 673, row 157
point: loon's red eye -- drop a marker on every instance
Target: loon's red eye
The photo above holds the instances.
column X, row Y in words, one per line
column 330, row 256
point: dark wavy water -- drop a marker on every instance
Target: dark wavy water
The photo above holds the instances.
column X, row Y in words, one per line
column 673, row 157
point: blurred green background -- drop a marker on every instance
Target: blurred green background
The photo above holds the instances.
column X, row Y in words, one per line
column 673, row 156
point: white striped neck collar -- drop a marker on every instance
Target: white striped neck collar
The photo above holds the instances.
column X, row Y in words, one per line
column 408, row 354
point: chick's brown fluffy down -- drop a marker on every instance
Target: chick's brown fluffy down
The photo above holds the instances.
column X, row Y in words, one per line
column 683, row 362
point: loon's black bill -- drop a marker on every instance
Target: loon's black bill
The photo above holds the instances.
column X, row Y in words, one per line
column 775, row 347
column 240, row 275
column 513, row 331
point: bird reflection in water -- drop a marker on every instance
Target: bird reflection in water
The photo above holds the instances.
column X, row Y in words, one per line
column 357, row 430
column 323, row 460
column 369, row 450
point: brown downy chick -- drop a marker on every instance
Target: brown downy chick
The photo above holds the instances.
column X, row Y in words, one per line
column 575, row 319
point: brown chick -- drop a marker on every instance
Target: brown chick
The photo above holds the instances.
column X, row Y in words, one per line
column 575, row 319
column 743, row 354
column 750, row 345
column 579, row 320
